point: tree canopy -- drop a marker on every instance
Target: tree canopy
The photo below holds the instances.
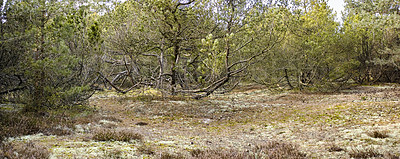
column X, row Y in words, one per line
column 57, row 53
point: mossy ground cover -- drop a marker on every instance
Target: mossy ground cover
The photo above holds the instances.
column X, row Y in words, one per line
column 360, row 122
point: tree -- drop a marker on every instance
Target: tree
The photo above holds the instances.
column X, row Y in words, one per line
column 307, row 57
column 372, row 28
column 190, row 47
column 56, row 45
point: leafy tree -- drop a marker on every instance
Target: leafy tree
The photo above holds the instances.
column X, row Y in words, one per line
column 55, row 47
column 307, row 56
column 196, row 47
column 372, row 31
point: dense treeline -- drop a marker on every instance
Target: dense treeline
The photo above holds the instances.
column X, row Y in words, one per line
column 57, row 53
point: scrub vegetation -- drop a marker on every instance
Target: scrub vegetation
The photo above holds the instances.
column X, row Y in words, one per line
column 199, row 79
column 249, row 122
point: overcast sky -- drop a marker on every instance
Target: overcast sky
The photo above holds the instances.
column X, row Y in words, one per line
column 338, row 7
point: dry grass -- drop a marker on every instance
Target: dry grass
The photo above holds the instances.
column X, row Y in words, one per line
column 27, row 150
column 334, row 148
column 279, row 149
column 114, row 154
column 219, row 154
column 235, row 119
column 270, row 149
column 364, row 153
column 146, row 149
column 166, row 155
column 113, row 135
column 17, row 124
column 232, row 125
column 378, row 134
column 94, row 118
column 390, row 155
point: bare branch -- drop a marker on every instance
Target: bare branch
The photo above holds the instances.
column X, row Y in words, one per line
column 114, row 86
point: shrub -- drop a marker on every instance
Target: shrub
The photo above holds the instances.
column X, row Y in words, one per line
column 17, row 124
column 166, row 155
column 335, row 148
column 378, row 134
column 279, row 149
column 390, row 155
column 364, row 153
column 220, row 154
column 114, row 154
column 270, row 149
column 146, row 148
column 27, row 150
column 112, row 135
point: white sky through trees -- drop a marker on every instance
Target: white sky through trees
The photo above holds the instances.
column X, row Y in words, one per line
column 337, row 5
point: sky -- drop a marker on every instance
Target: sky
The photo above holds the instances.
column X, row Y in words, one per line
column 338, row 7
column 2, row 5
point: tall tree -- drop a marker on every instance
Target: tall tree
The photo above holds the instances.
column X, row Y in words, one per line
column 53, row 41
column 307, row 56
column 373, row 28
column 199, row 46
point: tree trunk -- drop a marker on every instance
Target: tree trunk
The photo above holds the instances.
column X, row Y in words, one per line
column 173, row 69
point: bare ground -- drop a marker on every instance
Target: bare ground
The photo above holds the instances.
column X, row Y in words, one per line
column 332, row 125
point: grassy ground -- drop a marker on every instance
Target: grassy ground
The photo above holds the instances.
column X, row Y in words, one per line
column 248, row 123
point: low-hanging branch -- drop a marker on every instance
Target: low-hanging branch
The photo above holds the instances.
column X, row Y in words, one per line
column 13, row 90
column 119, row 90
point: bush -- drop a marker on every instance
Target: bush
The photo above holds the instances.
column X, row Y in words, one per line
column 166, row 155
column 17, row 124
column 364, row 153
column 112, row 135
column 279, row 149
column 220, row 154
column 378, row 134
column 146, row 148
column 270, row 149
column 27, row 150
column 335, row 148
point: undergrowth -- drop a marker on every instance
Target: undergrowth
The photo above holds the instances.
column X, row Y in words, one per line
column 364, row 153
column 113, row 135
column 17, row 124
column 24, row 150
column 268, row 150
column 378, row 134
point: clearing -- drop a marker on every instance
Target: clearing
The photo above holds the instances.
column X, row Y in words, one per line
column 360, row 122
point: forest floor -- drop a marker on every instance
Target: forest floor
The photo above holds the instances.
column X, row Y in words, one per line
column 360, row 122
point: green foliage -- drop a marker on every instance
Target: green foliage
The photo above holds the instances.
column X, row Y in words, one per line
column 306, row 58
column 371, row 32
column 56, row 60
column 53, row 51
